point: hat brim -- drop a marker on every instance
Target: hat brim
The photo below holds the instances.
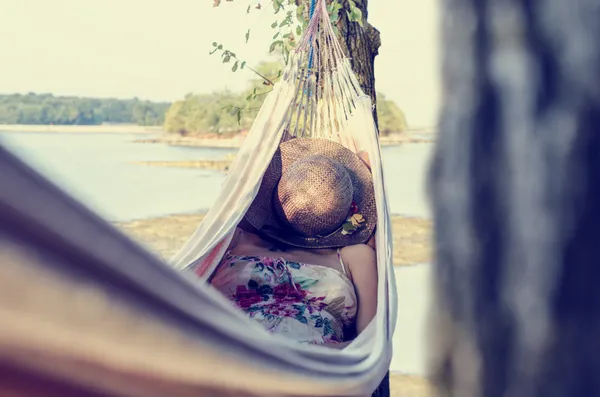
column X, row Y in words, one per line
column 261, row 214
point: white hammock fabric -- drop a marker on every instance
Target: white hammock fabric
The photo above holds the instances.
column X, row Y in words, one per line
column 337, row 110
column 83, row 304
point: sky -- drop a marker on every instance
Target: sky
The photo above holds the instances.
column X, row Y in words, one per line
column 159, row 49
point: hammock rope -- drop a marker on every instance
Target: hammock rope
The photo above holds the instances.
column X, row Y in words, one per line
column 326, row 84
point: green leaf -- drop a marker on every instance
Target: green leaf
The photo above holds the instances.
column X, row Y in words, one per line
column 358, row 17
column 274, row 45
column 226, row 58
column 212, row 52
column 299, row 30
column 349, row 227
column 285, row 36
column 248, row 10
column 220, row 47
column 275, row 35
column 247, row 35
column 300, row 12
column 243, row 65
column 274, row 25
column 235, row 66
column 249, row 97
column 214, row 44
column 239, row 116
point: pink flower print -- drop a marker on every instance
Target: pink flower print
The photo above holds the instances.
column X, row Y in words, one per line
column 245, row 298
column 286, row 292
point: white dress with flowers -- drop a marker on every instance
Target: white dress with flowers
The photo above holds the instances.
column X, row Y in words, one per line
column 308, row 303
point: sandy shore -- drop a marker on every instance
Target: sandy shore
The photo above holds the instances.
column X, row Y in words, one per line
column 221, row 165
column 412, row 237
column 236, row 142
column 97, row 129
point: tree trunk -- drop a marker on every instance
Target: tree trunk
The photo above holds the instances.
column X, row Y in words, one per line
column 361, row 45
column 515, row 187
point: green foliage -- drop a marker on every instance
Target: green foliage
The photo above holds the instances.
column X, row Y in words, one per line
column 207, row 113
column 354, row 13
column 222, row 112
column 293, row 19
column 391, row 117
column 227, row 112
column 49, row 109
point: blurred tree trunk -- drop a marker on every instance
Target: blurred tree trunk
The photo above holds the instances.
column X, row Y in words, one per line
column 515, row 186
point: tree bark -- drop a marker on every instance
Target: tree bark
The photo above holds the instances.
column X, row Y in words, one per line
column 515, row 186
column 361, row 45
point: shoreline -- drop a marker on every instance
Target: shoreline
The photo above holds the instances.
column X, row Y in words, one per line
column 210, row 165
column 83, row 129
column 162, row 137
column 237, row 141
column 165, row 235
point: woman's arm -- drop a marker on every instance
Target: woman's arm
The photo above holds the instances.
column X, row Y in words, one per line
column 361, row 262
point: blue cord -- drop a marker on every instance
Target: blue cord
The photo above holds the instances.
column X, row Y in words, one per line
column 310, row 56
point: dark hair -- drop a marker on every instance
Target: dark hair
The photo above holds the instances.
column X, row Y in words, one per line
column 277, row 245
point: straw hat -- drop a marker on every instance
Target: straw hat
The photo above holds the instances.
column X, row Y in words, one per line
column 315, row 193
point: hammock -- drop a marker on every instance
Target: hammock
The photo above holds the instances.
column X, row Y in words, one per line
column 83, row 304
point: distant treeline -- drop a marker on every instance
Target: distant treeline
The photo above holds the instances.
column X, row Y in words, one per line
column 222, row 112
column 62, row 110
column 228, row 112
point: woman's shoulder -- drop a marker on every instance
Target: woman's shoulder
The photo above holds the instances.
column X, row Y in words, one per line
column 359, row 258
column 357, row 249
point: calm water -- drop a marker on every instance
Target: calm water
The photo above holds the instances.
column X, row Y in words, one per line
column 97, row 169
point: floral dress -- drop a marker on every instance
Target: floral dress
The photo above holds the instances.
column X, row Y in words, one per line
column 309, row 303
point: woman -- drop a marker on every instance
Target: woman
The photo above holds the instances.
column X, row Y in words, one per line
column 298, row 263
